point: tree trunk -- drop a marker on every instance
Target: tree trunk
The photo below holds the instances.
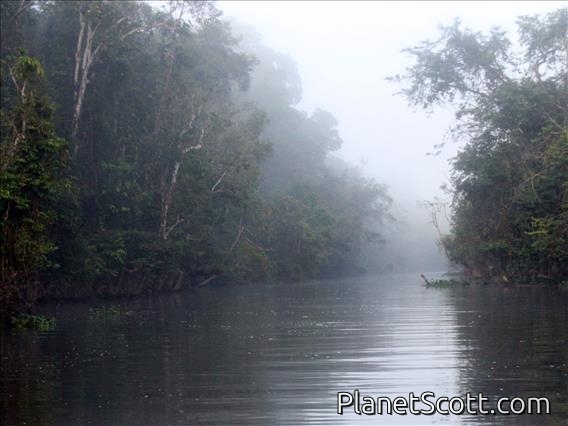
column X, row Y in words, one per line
column 85, row 56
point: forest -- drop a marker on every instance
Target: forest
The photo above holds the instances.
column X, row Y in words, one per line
column 248, row 212
column 146, row 149
column 510, row 179
column 155, row 148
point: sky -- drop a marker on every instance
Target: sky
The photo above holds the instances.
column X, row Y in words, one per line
column 344, row 52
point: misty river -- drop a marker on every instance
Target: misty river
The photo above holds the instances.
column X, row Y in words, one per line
column 278, row 354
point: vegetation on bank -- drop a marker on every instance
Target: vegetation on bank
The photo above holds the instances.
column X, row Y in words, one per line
column 148, row 149
column 446, row 283
column 33, row 322
column 510, row 178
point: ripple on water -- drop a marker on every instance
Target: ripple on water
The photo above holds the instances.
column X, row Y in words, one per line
column 278, row 354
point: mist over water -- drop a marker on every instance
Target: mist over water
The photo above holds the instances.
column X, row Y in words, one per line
column 226, row 213
column 345, row 51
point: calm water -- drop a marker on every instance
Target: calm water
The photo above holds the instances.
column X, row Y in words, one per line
column 278, row 354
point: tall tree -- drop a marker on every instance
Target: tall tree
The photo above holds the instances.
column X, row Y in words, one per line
column 33, row 160
column 510, row 178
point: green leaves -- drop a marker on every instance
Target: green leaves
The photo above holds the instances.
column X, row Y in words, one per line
column 31, row 177
column 511, row 176
column 194, row 161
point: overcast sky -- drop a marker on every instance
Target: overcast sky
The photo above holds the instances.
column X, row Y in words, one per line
column 344, row 51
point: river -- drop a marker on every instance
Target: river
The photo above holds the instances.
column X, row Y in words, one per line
column 264, row 354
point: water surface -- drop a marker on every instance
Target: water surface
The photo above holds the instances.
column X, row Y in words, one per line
column 278, row 354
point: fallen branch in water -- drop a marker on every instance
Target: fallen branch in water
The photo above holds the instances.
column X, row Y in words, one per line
column 425, row 280
column 445, row 283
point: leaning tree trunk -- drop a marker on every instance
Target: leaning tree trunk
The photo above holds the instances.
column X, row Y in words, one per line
column 85, row 56
column 168, row 189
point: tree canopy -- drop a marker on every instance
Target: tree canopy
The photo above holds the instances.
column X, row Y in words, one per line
column 510, row 179
column 171, row 153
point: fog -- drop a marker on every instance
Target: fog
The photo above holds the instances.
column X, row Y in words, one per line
column 226, row 212
column 344, row 52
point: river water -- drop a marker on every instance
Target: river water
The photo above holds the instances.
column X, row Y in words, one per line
column 278, row 354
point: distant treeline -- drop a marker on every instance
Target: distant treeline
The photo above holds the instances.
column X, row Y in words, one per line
column 510, row 180
column 151, row 148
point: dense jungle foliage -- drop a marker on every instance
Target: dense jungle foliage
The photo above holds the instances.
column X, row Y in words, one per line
column 510, row 179
column 146, row 149
column 151, row 148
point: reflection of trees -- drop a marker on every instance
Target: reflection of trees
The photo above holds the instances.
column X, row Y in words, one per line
column 515, row 344
column 233, row 354
column 213, row 355
column 26, row 379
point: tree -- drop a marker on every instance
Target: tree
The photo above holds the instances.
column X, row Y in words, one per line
column 33, row 162
column 172, row 144
column 11, row 12
column 510, row 179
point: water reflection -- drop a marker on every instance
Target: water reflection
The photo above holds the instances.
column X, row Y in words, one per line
column 264, row 354
column 518, row 341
